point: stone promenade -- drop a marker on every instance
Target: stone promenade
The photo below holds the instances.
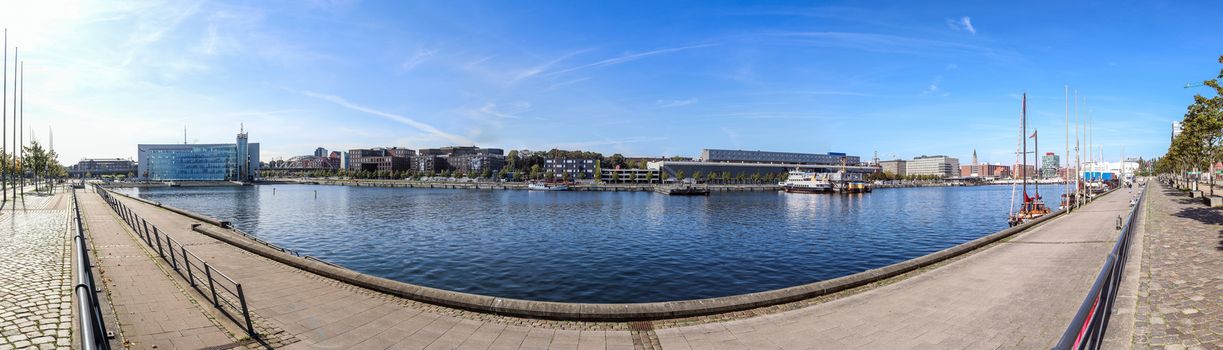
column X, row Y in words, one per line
column 1180, row 297
column 1018, row 294
column 35, row 274
column 151, row 304
column 296, row 309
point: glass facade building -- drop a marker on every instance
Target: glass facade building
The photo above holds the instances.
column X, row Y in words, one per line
column 199, row 162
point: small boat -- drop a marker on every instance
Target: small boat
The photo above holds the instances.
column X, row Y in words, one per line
column 804, row 182
column 1032, row 207
column 543, row 186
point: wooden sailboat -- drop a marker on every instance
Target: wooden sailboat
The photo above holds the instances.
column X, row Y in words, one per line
column 1032, row 207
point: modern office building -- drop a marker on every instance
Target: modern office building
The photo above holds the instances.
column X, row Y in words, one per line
column 942, row 166
column 1049, row 163
column 320, row 152
column 460, row 159
column 237, row 161
column 103, row 166
column 379, row 159
column 767, row 157
column 571, row 168
column 629, row 176
column 895, row 167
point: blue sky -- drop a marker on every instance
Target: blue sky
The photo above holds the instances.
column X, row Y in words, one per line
column 640, row 78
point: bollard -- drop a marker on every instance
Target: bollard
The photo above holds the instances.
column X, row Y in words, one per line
column 1118, row 222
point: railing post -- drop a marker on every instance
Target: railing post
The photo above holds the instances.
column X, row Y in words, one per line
column 211, row 287
column 173, row 260
column 190, row 277
column 160, row 251
column 246, row 314
column 146, row 228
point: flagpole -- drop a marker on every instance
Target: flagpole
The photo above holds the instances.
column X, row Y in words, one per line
column 4, row 125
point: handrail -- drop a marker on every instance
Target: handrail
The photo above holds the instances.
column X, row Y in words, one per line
column 93, row 327
column 1086, row 330
column 216, row 287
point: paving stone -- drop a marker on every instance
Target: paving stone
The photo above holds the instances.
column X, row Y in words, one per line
column 1179, row 300
column 34, row 278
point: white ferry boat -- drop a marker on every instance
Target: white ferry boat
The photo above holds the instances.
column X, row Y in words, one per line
column 805, row 182
column 541, row 186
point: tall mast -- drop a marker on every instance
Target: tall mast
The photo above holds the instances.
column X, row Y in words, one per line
column 1066, row 161
column 1023, row 121
column 1035, row 154
column 1078, row 152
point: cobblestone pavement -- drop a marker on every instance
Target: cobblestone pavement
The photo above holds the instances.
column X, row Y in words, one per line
column 35, row 275
column 1180, row 297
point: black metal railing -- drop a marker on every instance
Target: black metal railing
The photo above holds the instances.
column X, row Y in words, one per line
column 92, row 326
column 220, row 290
column 1087, row 329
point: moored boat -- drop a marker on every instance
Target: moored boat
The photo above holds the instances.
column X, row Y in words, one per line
column 543, row 186
column 805, row 182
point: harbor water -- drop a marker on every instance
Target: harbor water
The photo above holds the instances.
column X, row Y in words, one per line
column 604, row 247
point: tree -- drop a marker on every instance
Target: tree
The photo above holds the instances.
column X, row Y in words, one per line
column 42, row 163
column 488, row 173
column 713, row 176
column 679, row 175
column 598, row 170
column 1200, row 143
column 663, row 176
column 535, row 172
column 726, row 176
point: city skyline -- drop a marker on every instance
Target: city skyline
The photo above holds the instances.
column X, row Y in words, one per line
column 899, row 79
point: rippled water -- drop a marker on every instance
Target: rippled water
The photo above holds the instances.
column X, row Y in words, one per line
column 603, row 246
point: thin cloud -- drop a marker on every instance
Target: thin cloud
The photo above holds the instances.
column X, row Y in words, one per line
column 964, row 23
column 885, row 43
column 420, row 56
column 509, row 112
column 566, row 83
column 390, row 116
column 536, row 70
column 609, row 142
column 675, row 103
column 152, row 32
column 627, row 58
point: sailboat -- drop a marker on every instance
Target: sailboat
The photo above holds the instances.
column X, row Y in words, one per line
column 1033, row 206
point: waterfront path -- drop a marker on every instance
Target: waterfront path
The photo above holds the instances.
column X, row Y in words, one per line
column 1019, row 294
column 1180, row 294
column 297, row 309
column 35, row 273
column 151, row 306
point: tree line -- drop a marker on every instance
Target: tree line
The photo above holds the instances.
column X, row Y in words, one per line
column 1200, row 144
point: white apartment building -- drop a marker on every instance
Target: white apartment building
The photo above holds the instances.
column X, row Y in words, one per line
column 933, row 165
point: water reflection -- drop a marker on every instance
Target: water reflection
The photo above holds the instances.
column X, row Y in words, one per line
column 603, row 246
